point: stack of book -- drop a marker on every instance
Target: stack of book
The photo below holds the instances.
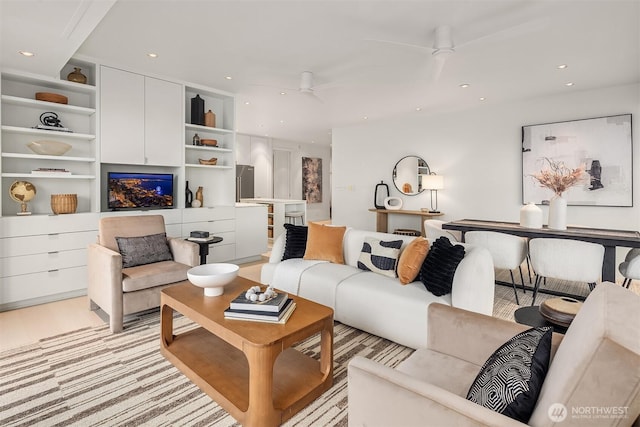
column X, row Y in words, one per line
column 50, row 171
column 275, row 310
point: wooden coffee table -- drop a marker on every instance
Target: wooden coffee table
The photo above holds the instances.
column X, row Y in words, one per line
column 248, row 367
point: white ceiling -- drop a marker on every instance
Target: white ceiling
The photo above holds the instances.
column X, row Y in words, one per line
column 506, row 49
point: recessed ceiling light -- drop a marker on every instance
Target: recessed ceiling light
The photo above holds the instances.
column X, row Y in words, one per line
column 482, row 98
column 281, row 121
column 365, row 118
column 562, row 66
column 569, row 84
column 228, row 77
column 418, row 108
column 152, row 55
column 283, row 93
column 313, row 142
column 247, row 103
column 25, row 53
column 465, row 85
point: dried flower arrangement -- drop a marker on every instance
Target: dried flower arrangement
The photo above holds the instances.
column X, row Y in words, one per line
column 559, row 178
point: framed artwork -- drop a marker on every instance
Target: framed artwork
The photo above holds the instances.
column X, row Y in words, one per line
column 602, row 146
column 312, row 179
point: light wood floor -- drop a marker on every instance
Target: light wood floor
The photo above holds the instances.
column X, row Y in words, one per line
column 28, row 325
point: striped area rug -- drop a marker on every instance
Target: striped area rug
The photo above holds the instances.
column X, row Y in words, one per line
column 93, row 378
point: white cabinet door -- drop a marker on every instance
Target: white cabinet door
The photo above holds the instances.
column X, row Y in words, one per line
column 121, row 117
column 163, row 122
column 251, row 239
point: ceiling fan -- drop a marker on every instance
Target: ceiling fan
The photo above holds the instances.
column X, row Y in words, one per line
column 306, row 86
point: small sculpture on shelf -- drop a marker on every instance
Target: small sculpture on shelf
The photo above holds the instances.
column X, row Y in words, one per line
column 188, row 196
column 50, row 121
column 199, row 197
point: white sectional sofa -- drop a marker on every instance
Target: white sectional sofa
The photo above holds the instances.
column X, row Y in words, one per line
column 375, row 303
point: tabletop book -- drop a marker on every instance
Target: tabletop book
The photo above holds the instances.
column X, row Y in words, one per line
column 262, row 316
column 273, row 305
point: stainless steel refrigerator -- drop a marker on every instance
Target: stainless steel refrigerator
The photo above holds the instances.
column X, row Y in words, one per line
column 244, row 182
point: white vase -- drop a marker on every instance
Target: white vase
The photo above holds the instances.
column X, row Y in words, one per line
column 558, row 213
column 531, row 216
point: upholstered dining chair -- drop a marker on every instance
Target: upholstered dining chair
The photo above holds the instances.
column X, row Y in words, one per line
column 131, row 262
column 630, row 267
column 508, row 251
column 433, row 230
column 565, row 259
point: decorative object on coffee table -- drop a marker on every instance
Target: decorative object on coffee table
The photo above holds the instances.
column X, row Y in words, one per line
column 77, row 76
column 213, row 277
column 22, row 192
column 64, row 203
column 560, row 311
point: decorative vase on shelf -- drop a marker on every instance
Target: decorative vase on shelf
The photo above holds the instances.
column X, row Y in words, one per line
column 558, row 213
column 197, row 110
column 210, row 119
column 200, row 197
column 188, row 196
column 381, row 192
column 531, row 216
column 77, row 76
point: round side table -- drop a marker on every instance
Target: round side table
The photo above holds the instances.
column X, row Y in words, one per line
column 531, row 316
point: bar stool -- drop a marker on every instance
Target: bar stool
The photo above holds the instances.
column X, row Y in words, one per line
column 291, row 217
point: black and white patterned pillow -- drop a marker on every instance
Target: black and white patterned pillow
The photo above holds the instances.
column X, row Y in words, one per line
column 511, row 378
column 440, row 266
column 380, row 257
column 296, row 241
column 144, row 249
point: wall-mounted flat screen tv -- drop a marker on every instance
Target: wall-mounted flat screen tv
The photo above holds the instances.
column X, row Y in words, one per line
column 130, row 190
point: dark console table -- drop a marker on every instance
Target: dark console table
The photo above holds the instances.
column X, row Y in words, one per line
column 610, row 239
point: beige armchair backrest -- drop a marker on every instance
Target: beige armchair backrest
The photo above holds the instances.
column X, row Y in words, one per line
column 128, row 226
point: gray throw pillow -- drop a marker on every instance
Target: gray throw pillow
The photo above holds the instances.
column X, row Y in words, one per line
column 144, row 249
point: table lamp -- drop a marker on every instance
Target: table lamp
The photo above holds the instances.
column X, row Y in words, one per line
column 434, row 183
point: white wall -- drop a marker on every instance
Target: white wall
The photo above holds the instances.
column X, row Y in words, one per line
column 479, row 154
column 315, row 211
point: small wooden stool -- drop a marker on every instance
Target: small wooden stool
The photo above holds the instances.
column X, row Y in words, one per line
column 560, row 311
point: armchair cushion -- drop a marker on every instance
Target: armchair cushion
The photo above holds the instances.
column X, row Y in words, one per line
column 511, row 379
column 144, row 249
column 440, row 265
column 151, row 275
column 379, row 257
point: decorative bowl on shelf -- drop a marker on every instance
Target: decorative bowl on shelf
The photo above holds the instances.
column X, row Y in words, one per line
column 52, row 97
column 64, row 203
column 49, row 148
column 209, row 142
column 211, row 161
column 213, row 277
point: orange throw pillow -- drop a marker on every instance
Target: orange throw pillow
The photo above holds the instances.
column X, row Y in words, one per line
column 411, row 260
column 324, row 242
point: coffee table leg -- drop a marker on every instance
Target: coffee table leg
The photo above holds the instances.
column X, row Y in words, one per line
column 261, row 411
column 166, row 325
column 326, row 349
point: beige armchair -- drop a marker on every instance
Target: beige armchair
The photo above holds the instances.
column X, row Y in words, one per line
column 594, row 371
column 120, row 291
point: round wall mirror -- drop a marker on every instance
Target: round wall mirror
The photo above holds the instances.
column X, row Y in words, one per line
column 407, row 175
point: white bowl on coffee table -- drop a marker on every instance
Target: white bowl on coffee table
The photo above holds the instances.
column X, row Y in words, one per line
column 213, row 277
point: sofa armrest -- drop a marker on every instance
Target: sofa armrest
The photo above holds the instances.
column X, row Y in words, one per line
column 184, row 251
column 473, row 284
column 382, row 396
column 470, row 336
column 104, row 267
column 277, row 249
